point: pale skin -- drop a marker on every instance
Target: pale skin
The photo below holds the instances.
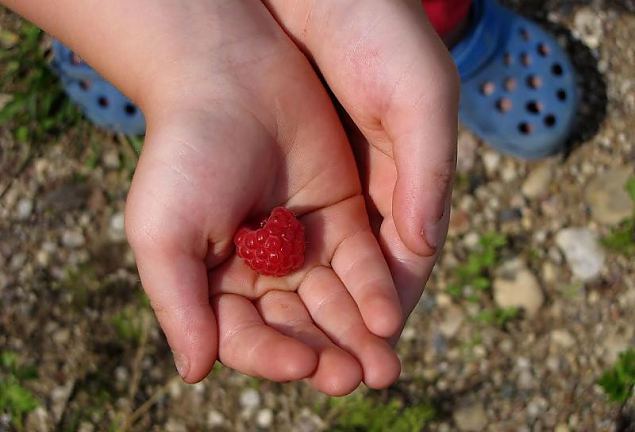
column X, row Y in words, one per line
column 238, row 123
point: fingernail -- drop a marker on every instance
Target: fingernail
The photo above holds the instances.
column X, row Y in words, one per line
column 432, row 231
column 182, row 364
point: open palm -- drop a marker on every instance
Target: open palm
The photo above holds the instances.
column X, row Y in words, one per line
column 397, row 84
column 260, row 133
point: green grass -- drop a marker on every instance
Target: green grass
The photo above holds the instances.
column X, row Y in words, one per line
column 38, row 108
column 498, row 317
column 81, row 283
column 128, row 324
column 618, row 382
column 366, row 414
column 622, row 239
column 473, row 276
column 15, row 399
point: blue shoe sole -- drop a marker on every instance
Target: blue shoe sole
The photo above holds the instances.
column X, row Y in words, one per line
column 100, row 101
column 518, row 87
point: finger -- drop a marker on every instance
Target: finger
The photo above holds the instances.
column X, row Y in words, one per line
column 410, row 270
column 424, row 145
column 175, row 280
column 337, row 372
column 335, row 313
column 337, row 236
column 421, row 122
column 251, row 347
column 360, row 265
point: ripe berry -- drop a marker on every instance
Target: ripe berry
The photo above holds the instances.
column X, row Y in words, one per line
column 274, row 249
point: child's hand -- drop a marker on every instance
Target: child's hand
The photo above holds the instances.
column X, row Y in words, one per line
column 259, row 131
column 394, row 77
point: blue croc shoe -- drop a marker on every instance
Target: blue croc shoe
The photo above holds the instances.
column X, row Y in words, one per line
column 518, row 87
column 100, row 101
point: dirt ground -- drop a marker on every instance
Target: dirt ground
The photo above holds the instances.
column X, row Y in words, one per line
column 78, row 336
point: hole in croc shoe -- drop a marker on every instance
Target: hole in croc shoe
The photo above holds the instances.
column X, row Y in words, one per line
column 525, row 59
column 524, row 34
column 487, row 88
column 556, row 69
column 130, row 109
column 534, row 107
column 84, row 85
column 534, row 82
column 550, row 120
column 508, row 59
column 103, row 101
column 510, row 84
column 543, row 49
column 561, row 95
column 525, row 128
column 504, row 105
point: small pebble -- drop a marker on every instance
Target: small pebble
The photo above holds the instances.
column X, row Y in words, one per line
column 538, row 181
column 250, row 399
column 607, row 197
column 491, row 160
column 111, row 159
column 452, row 319
column 116, row 229
column 582, row 251
column 215, row 419
column 24, row 209
column 264, row 418
column 519, row 289
column 471, row 418
column 562, row 338
column 86, row 427
column 73, row 239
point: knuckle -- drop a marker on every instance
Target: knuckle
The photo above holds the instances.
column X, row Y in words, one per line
column 446, row 82
column 144, row 233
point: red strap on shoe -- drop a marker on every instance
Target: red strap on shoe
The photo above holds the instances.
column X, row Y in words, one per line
column 446, row 15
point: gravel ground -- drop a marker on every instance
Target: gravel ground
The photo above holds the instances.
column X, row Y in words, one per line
column 71, row 307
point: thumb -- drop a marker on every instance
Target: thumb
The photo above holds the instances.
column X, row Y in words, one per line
column 424, row 150
column 174, row 276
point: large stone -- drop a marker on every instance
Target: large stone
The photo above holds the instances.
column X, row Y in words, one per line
column 516, row 286
column 582, row 251
column 607, row 198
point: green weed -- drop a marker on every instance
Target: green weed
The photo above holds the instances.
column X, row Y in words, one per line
column 15, row 399
column 622, row 238
column 128, row 324
column 365, row 414
column 619, row 381
column 498, row 317
column 37, row 108
column 473, row 276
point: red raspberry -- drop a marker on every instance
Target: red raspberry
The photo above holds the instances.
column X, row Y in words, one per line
column 274, row 249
